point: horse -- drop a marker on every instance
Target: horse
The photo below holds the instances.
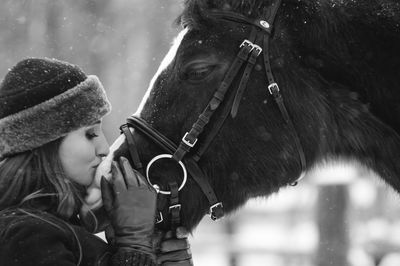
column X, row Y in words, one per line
column 323, row 86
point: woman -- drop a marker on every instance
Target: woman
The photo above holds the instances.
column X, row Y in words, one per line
column 51, row 143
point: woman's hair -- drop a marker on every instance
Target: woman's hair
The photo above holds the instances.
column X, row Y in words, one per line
column 36, row 179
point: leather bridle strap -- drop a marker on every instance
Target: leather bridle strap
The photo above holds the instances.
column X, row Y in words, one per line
column 137, row 164
column 174, row 206
column 245, row 78
column 238, row 18
column 190, row 138
column 271, row 16
column 262, row 32
column 216, row 209
column 231, row 107
column 274, row 90
column 150, row 132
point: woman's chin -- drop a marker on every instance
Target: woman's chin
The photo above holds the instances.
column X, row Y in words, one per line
column 93, row 198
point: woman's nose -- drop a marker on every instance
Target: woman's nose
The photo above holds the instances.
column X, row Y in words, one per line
column 103, row 147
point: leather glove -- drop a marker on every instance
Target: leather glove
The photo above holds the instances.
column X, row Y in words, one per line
column 131, row 206
column 175, row 249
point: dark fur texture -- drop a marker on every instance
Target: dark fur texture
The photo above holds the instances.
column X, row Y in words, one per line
column 338, row 66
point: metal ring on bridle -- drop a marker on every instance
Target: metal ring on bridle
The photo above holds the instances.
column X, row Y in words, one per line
column 168, row 156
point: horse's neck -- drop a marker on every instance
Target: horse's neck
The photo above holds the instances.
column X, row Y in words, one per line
column 353, row 132
column 360, row 52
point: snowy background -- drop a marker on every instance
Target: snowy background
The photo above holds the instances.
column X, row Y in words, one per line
column 340, row 216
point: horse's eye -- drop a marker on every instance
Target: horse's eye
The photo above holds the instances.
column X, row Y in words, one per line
column 197, row 74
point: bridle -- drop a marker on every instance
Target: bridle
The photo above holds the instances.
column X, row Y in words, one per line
column 249, row 50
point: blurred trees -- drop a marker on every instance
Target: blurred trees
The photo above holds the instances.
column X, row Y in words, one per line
column 121, row 41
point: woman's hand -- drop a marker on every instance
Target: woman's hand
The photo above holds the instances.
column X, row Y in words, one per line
column 93, row 198
column 131, row 206
column 93, row 217
column 175, row 249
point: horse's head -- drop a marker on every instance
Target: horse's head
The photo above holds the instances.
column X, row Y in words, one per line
column 254, row 152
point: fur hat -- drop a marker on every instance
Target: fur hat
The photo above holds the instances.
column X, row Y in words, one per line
column 45, row 99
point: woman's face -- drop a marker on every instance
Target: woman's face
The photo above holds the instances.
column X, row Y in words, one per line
column 81, row 151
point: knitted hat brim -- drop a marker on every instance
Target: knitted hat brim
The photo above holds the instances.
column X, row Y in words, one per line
column 81, row 106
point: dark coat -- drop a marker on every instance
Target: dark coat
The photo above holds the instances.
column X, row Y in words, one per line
column 31, row 237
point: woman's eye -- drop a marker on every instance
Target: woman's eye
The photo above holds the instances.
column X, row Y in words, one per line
column 91, row 135
column 198, row 73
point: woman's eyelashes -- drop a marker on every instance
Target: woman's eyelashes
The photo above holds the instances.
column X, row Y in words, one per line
column 91, row 135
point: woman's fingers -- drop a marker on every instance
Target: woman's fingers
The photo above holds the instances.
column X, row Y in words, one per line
column 128, row 173
column 142, row 180
column 132, row 177
column 117, row 178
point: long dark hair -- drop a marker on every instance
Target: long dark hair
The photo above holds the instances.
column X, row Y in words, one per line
column 36, row 179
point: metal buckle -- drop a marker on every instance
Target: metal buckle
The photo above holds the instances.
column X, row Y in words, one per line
column 246, row 42
column 187, row 142
column 217, row 205
column 258, row 48
column 178, row 206
column 273, row 88
column 159, row 218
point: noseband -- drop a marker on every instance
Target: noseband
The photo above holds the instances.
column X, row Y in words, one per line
column 249, row 50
